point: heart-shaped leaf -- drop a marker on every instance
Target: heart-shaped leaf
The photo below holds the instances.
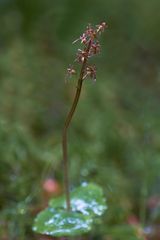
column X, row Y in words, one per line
column 61, row 223
column 87, row 199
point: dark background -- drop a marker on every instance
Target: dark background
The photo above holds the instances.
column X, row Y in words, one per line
column 114, row 140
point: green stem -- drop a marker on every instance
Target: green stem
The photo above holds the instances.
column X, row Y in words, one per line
column 66, row 125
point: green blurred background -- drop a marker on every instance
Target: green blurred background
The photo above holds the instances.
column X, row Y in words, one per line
column 114, row 140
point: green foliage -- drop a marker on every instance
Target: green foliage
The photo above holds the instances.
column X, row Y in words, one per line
column 124, row 232
column 87, row 202
column 155, row 216
column 21, row 157
column 60, row 223
column 87, row 199
column 121, row 131
column 17, row 152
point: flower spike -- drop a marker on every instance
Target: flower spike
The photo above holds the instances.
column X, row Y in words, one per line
column 91, row 47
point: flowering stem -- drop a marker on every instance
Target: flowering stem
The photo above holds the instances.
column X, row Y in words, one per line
column 66, row 125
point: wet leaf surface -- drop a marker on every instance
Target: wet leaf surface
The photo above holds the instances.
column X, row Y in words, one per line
column 61, row 223
column 87, row 199
column 87, row 202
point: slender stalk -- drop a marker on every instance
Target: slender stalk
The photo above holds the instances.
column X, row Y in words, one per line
column 66, row 125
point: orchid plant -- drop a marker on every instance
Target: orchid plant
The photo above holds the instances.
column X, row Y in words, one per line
column 75, row 213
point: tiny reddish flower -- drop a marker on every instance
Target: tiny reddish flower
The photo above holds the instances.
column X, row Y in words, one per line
column 81, row 55
column 90, row 32
column 101, row 27
column 83, row 38
column 71, row 71
column 95, row 48
column 91, row 72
